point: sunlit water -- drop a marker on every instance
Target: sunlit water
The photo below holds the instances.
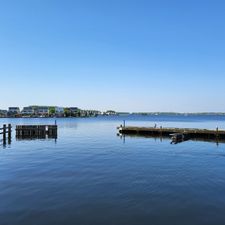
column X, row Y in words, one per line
column 91, row 176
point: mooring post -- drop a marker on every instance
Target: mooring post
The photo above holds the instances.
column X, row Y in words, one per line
column 124, row 123
column 9, row 132
column 217, row 132
column 4, row 134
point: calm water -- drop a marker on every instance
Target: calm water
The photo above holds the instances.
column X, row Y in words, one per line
column 90, row 176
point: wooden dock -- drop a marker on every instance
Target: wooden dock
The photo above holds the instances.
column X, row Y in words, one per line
column 174, row 133
column 36, row 131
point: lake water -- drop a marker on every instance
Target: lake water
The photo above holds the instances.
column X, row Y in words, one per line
column 91, row 176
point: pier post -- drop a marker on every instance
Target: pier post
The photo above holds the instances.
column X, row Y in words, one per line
column 124, row 123
column 4, row 131
column 217, row 132
column 4, row 134
column 9, row 133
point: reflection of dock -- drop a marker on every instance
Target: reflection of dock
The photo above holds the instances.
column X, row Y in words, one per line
column 176, row 134
column 36, row 131
column 167, row 138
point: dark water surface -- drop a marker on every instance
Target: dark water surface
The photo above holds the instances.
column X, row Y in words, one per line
column 90, row 176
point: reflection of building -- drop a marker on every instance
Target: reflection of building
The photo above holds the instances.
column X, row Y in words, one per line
column 13, row 111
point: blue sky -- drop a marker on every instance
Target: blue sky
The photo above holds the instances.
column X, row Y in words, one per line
column 125, row 55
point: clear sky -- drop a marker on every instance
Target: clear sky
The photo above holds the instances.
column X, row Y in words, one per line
column 127, row 55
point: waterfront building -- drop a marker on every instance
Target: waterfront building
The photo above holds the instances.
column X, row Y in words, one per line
column 28, row 111
column 3, row 113
column 92, row 112
column 42, row 110
column 48, row 111
column 13, row 111
column 74, row 111
column 83, row 113
column 110, row 112
column 59, row 111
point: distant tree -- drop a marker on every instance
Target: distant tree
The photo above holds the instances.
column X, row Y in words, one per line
column 67, row 112
column 52, row 110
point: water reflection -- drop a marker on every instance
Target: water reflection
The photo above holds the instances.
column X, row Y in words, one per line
column 123, row 137
column 36, row 136
column 30, row 135
column 5, row 141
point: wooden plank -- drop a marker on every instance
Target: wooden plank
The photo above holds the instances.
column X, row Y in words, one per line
column 167, row 131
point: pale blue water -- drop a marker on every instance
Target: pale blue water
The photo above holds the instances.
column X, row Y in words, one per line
column 90, row 176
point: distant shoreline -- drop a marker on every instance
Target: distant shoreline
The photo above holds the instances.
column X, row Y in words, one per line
column 117, row 114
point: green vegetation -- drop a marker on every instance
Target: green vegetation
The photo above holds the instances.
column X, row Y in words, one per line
column 51, row 110
column 67, row 112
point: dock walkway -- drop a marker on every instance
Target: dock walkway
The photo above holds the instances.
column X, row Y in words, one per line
column 191, row 132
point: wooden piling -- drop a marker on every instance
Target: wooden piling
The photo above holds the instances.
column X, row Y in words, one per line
column 4, row 131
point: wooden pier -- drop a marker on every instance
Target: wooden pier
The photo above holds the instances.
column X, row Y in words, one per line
column 36, row 131
column 174, row 133
column 6, row 132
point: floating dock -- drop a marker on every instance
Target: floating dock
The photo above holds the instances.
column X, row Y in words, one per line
column 174, row 133
column 36, row 131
